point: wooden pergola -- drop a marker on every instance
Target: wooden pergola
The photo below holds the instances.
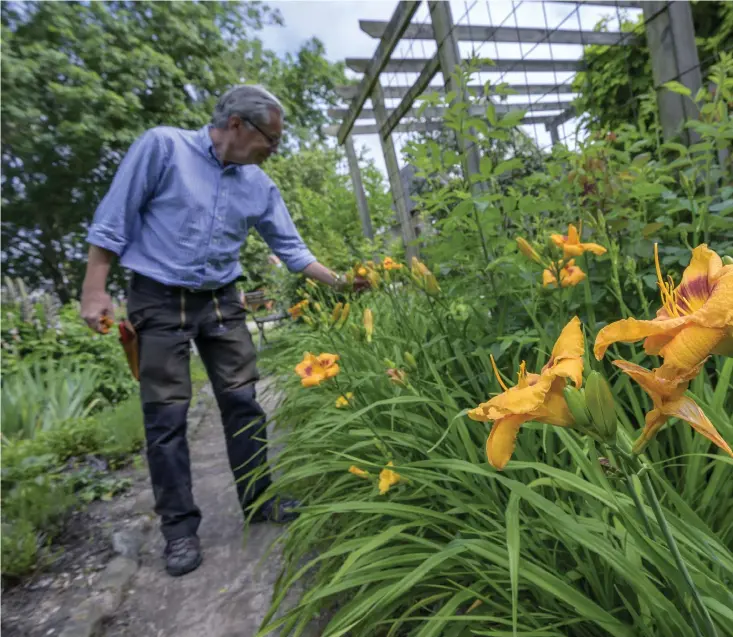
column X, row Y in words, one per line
column 670, row 36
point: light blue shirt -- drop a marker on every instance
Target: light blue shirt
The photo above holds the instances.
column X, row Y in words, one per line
column 174, row 213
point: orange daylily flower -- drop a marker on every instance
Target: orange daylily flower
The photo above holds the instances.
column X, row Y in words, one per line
column 387, row 479
column 313, row 370
column 390, row 264
column 535, row 396
column 695, row 320
column 297, row 310
column 571, row 245
column 669, row 400
column 570, row 275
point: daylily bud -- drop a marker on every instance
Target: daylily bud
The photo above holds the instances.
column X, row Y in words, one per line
column 344, row 316
column 527, row 250
column 373, row 278
column 389, row 363
column 336, row 312
column 368, row 324
column 308, row 320
column 410, row 360
column 601, row 405
column 575, row 400
column 317, row 305
column 431, row 285
column 310, row 283
column 727, row 260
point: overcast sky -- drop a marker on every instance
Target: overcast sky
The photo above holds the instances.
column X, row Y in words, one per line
column 336, row 24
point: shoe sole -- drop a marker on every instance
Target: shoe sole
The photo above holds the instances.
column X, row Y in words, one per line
column 177, row 572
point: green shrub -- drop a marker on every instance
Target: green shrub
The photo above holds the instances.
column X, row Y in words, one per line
column 37, row 398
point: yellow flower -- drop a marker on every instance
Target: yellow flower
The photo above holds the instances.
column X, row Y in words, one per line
column 390, row 264
column 387, row 479
column 695, row 320
column 313, row 370
column 667, row 394
column 570, row 275
column 424, row 278
column 361, row 271
column 368, row 324
column 297, row 310
column 528, row 251
column 535, row 396
column 358, row 472
column 343, row 401
column 571, row 245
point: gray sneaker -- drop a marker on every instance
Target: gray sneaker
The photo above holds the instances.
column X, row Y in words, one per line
column 183, row 555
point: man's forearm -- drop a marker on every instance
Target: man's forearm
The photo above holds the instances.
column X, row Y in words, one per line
column 321, row 273
column 98, row 264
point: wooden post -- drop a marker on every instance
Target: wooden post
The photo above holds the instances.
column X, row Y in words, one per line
column 361, row 200
column 554, row 136
column 450, row 58
column 393, row 174
column 671, row 39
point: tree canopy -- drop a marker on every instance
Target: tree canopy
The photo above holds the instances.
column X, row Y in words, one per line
column 82, row 80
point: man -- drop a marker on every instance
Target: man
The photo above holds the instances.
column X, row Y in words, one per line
column 176, row 214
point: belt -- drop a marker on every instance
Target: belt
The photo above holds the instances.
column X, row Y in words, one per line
column 144, row 283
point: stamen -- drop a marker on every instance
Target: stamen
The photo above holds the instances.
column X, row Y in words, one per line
column 496, row 373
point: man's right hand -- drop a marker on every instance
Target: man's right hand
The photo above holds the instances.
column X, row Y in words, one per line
column 96, row 305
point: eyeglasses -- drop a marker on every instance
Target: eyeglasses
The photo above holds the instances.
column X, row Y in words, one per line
column 274, row 141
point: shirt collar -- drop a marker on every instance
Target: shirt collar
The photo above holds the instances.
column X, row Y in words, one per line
column 207, row 146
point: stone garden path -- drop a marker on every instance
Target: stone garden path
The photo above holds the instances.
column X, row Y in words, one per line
column 122, row 588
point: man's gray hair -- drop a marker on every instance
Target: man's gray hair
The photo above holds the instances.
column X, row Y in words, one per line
column 248, row 101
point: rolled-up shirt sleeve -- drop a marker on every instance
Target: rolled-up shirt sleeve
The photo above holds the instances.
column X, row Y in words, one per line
column 133, row 185
column 277, row 228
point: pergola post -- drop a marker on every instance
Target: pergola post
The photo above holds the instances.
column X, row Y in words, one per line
column 358, row 184
column 450, row 59
column 671, row 39
column 393, row 174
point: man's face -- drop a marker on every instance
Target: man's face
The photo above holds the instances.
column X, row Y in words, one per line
column 251, row 142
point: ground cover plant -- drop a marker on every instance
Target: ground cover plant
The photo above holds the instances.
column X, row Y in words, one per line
column 528, row 431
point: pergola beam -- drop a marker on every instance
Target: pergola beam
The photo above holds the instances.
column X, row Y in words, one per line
column 416, row 65
column 421, row 127
column 398, row 92
column 474, row 111
column 465, row 33
column 394, row 117
column 398, row 23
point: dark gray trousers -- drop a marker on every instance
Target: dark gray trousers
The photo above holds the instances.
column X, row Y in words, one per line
column 167, row 319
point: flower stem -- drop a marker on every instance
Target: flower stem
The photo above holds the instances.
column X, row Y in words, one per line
column 674, row 549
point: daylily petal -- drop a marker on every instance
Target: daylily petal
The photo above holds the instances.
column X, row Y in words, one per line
column 594, row 248
column 688, row 410
column 312, row 381
column 654, row 421
column 631, row 330
column 558, row 240
column 502, row 440
column 573, row 236
column 520, row 400
column 555, row 411
column 691, row 346
column 572, row 249
column 548, row 278
column 718, row 310
column 571, row 368
column 570, row 343
column 571, row 276
column 656, row 386
column 704, row 263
